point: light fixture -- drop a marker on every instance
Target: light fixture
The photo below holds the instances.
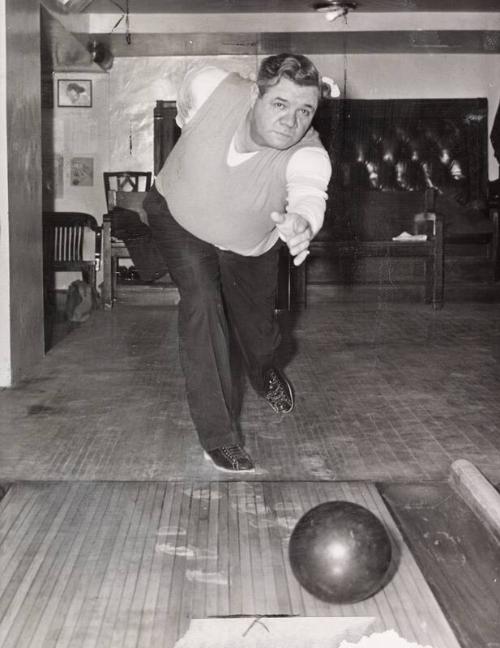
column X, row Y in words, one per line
column 100, row 54
column 334, row 9
column 67, row 6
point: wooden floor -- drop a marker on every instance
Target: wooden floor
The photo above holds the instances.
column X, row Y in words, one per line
column 114, row 530
column 383, row 393
column 129, row 564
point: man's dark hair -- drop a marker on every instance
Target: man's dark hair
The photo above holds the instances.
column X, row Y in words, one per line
column 295, row 67
column 76, row 87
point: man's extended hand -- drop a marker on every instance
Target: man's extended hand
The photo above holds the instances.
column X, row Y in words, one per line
column 296, row 232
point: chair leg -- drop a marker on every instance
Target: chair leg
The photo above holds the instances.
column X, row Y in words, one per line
column 429, row 280
column 438, row 267
column 495, row 243
column 114, row 270
column 91, row 280
column 107, row 288
column 93, row 286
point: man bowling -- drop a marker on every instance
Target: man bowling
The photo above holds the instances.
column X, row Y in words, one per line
column 247, row 174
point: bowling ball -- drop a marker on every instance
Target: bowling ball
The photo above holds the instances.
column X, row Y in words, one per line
column 340, row 552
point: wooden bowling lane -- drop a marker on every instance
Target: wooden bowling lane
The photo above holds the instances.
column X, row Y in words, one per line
column 107, row 564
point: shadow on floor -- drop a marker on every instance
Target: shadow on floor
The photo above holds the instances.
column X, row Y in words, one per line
column 56, row 323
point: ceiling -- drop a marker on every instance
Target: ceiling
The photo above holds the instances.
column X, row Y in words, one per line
column 285, row 6
column 245, row 36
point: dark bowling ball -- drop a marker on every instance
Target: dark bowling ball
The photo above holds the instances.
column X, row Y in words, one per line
column 340, row 552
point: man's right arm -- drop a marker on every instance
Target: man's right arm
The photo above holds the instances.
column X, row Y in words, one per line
column 197, row 86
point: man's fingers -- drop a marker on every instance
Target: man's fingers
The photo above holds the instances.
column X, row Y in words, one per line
column 277, row 217
column 300, row 226
column 296, row 232
column 300, row 258
column 297, row 248
column 304, row 238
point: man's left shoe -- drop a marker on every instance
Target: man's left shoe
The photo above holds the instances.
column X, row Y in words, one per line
column 278, row 392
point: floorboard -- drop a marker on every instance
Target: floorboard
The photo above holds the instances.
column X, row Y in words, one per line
column 130, row 564
column 384, row 393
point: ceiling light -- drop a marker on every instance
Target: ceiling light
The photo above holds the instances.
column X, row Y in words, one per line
column 67, row 6
column 333, row 9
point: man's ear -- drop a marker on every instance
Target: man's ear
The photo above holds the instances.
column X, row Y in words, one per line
column 254, row 94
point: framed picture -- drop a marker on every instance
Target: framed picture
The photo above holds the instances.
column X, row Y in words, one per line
column 74, row 93
column 82, row 171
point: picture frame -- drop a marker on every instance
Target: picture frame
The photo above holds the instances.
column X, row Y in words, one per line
column 74, row 93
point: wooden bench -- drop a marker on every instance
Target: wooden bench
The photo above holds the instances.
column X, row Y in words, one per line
column 351, row 251
column 393, row 160
column 447, row 233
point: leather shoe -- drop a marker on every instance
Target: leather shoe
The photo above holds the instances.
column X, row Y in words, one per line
column 279, row 393
column 231, row 459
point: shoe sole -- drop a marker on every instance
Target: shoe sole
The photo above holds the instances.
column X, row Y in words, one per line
column 227, row 470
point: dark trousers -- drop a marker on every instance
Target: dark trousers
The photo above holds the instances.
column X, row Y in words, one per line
column 224, row 296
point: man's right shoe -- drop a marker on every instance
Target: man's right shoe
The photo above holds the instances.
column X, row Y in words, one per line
column 279, row 392
column 231, row 459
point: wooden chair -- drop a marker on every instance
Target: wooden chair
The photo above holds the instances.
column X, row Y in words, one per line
column 115, row 184
column 64, row 235
column 126, row 181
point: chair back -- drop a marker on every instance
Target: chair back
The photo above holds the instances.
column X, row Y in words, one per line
column 64, row 237
column 125, row 181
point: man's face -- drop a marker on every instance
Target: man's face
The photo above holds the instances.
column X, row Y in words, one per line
column 72, row 95
column 280, row 117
